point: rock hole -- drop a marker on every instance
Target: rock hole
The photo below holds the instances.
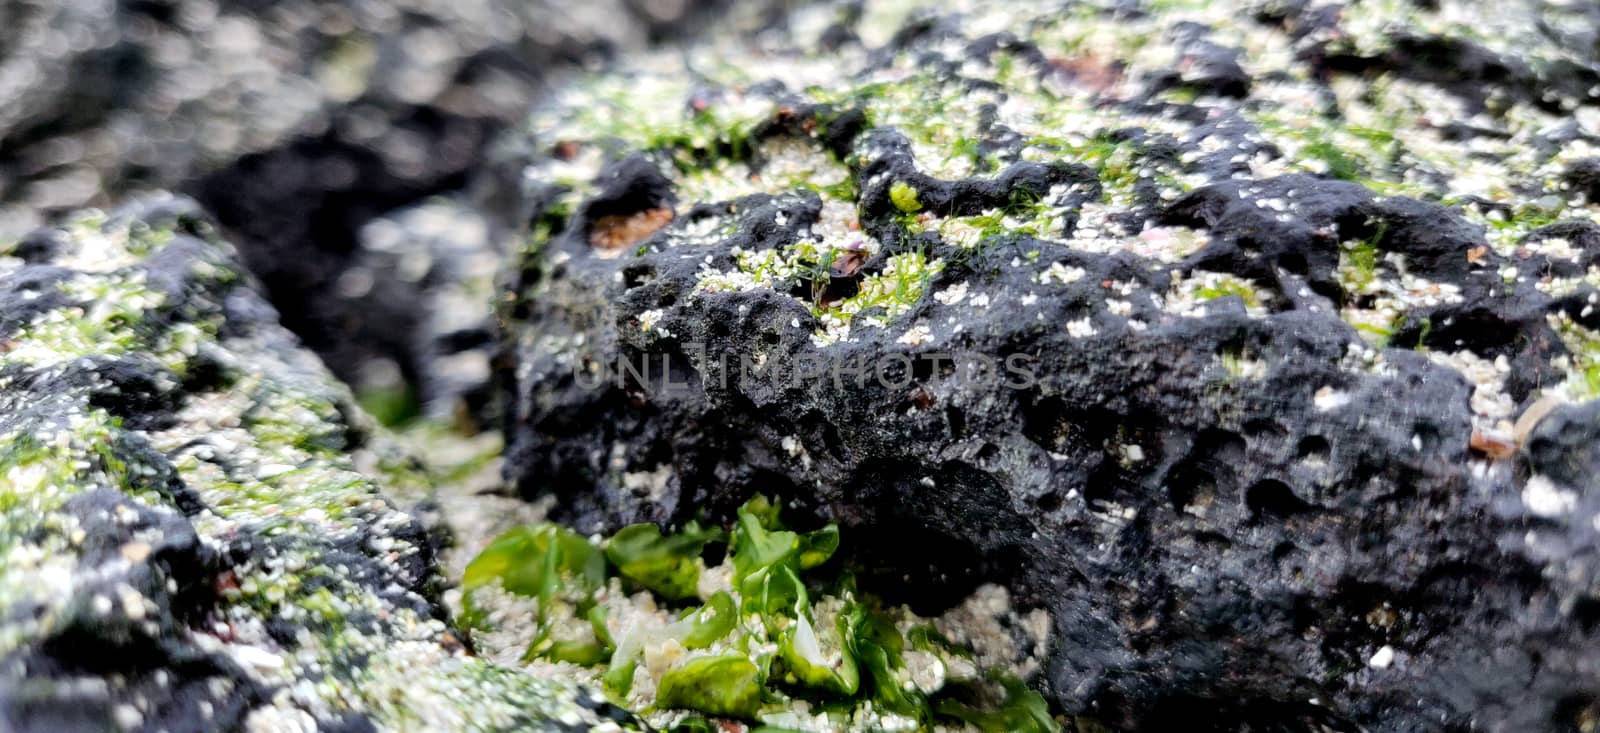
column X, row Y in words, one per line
column 1332, row 292
column 1264, row 428
column 1191, row 487
column 1049, row 502
column 957, row 421
column 1044, row 424
column 1218, row 446
column 1314, row 449
column 1587, row 613
column 1293, row 262
column 910, row 556
column 620, row 231
column 923, row 370
column 1215, row 540
column 635, row 275
column 1193, row 483
column 1426, row 436
column 635, row 201
column 823, row 431
column 1270, row 497
column 1101, row 489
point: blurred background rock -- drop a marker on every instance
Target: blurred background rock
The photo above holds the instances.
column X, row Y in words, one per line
column 319, row 134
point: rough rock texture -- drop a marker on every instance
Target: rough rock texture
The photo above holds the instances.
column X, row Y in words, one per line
column 192, row 535
column 1300, row 297
column 294, row 122
column 108, row 96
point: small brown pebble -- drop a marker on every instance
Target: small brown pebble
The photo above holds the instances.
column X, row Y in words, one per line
column 1091, row 72
column 135, row 551
column 847, row 263
column 453, row 643
column 620, row 231
column 1382, row 617
column 1476, row 254
column 1493, row 445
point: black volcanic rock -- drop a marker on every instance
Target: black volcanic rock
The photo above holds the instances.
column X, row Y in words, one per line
column 1271, row 317
column 191, row 538
column 294, row 123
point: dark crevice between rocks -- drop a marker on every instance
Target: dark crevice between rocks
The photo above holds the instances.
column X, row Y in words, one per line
column 296, row 214
column 297, row 210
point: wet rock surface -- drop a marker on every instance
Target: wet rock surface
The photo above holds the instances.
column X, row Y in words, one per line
column 1287, row 317
column 293, row 123
column 193, row 534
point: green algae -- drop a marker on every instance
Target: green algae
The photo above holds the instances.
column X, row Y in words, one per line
column 904, row 197
column 265, row 446
column 1225, row 286
column 788, row 624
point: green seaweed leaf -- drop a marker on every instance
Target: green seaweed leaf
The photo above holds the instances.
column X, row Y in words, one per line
column 816, row 650
column 723, row 685
column 1024, row 711
column 878, row 645
column 556, row 566
column 666, row 564
column 904, row 197
column 538, row 561
column 818, row 547
column 705, row 625
column 781, row 631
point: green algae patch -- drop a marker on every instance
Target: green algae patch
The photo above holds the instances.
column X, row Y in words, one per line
column 904, row 197
column 729, row 686
column 663, row 563
column 1225, row 287
column 176, row 474
column 1581, row 365
column 879, row 299
column 776, row 622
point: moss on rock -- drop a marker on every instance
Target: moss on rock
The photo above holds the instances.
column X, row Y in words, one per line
column 1286, row 274
column 186, row 541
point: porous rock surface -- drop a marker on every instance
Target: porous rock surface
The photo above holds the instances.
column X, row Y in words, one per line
column 294, row 122
column 110, row 96
column 1302, row 297
column 192, row 532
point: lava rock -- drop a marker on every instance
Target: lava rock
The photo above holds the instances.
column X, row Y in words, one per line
column 189, row 543
column 294, row 123
column 107, row 97
column 1221, row 367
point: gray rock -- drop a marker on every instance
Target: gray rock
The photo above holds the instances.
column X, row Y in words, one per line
column 189, row 540
column 294, row 123
column 106, row 97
